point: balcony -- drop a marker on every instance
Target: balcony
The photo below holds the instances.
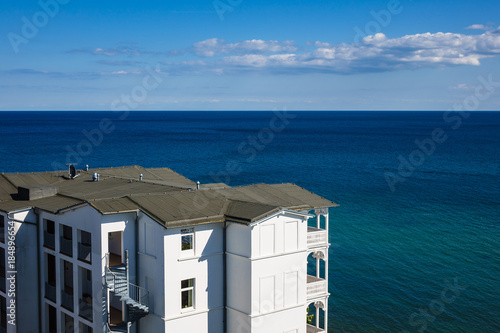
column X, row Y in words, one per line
column 314, row 329
column 50, row 292
column 67, row 299
column 316, row 237
column 66, row 246
column 316, row 286
column 84, row 252
column 49, row 240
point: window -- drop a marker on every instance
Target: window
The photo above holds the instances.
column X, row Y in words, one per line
column 3, row 313
column 2, row 269
column 187, row 239
column 49, row 234
column 85, row 329
column 84, row 246
column 86, row 293
column 2, row 229
column 52, row 319
column 187, row 293
column 68, row 323
column 66, row 240
column 50, row 284
column 67, row 287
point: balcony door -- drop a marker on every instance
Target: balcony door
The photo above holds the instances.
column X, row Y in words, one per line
column 115, row 248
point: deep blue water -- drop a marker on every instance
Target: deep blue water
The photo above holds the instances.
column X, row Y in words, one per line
column 392, row 251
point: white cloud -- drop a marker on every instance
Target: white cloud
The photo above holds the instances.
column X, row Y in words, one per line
column 214, row 46
column 478, row 27
column 373, row 53
column 463, row 86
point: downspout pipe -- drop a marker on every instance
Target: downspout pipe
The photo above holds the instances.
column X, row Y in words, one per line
column 136, row 239
column 36, row 211
column 224, row 278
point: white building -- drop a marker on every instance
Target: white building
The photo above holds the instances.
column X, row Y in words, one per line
column 148, row 250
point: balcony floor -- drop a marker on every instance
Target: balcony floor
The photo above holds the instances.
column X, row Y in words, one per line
column 312, row 279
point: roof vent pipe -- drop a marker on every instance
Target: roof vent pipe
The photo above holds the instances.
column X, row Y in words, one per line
column 197, row 185
column 87, row 167
column 140, row 177
column 95, row 177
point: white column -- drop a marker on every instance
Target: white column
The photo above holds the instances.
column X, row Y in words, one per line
column 317, row 315
column 317, row 266
column 326, row 314
column 326, row 222
column 326, row 267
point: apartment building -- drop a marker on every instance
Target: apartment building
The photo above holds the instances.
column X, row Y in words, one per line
column 147, row 250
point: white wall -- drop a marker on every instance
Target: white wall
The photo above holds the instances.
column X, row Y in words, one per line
column 267, row 283
column 206, row 267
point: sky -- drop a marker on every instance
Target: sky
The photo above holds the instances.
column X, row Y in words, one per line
column 250, row 55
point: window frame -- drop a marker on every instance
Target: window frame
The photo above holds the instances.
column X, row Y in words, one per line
column 185, row 233
column 190, row 289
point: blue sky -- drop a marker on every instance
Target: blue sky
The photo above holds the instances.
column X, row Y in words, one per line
column 249, row 55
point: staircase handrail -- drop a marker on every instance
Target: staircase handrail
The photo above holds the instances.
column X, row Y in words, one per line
column 137, row 293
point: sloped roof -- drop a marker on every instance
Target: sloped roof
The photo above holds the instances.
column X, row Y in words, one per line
column 166, row 196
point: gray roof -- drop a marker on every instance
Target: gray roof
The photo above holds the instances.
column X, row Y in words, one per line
column 166, row 196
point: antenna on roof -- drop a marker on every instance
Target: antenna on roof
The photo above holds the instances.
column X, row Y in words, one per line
column 72, row 171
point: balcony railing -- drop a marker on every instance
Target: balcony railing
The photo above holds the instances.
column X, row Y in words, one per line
column 314, row 329
column 84, row 252
column 316, row 286
column 67, row 246
column 50, row 292
column 316, row 236
column 49, row 240
column 67, row 300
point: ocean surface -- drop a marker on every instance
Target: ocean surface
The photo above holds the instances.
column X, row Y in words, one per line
column 415, row 242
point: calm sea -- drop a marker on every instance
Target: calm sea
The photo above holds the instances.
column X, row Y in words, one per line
column 421, row 255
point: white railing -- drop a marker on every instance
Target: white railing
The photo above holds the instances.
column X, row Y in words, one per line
column 316, row 286
column 316, row 236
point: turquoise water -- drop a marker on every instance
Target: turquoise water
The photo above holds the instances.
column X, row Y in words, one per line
column 392, row 252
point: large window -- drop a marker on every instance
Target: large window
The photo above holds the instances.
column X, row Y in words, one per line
column 67, row 287
column 3, row 313
column 68, row 323
column 66, row 240
column 85, row 329
column 2, row 269
column 187, row 239
column 49, row 234
column 84, row 246
column 2, row 229
column 52, row 319
column 50, row 284
column 187, row 294
column 86, row 293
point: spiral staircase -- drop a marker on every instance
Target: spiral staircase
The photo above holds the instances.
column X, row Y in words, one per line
column 136, row 298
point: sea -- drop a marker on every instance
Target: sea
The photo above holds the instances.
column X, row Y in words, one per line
column 415, row 241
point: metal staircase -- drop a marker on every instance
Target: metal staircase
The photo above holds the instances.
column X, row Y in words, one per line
column 136, row 298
